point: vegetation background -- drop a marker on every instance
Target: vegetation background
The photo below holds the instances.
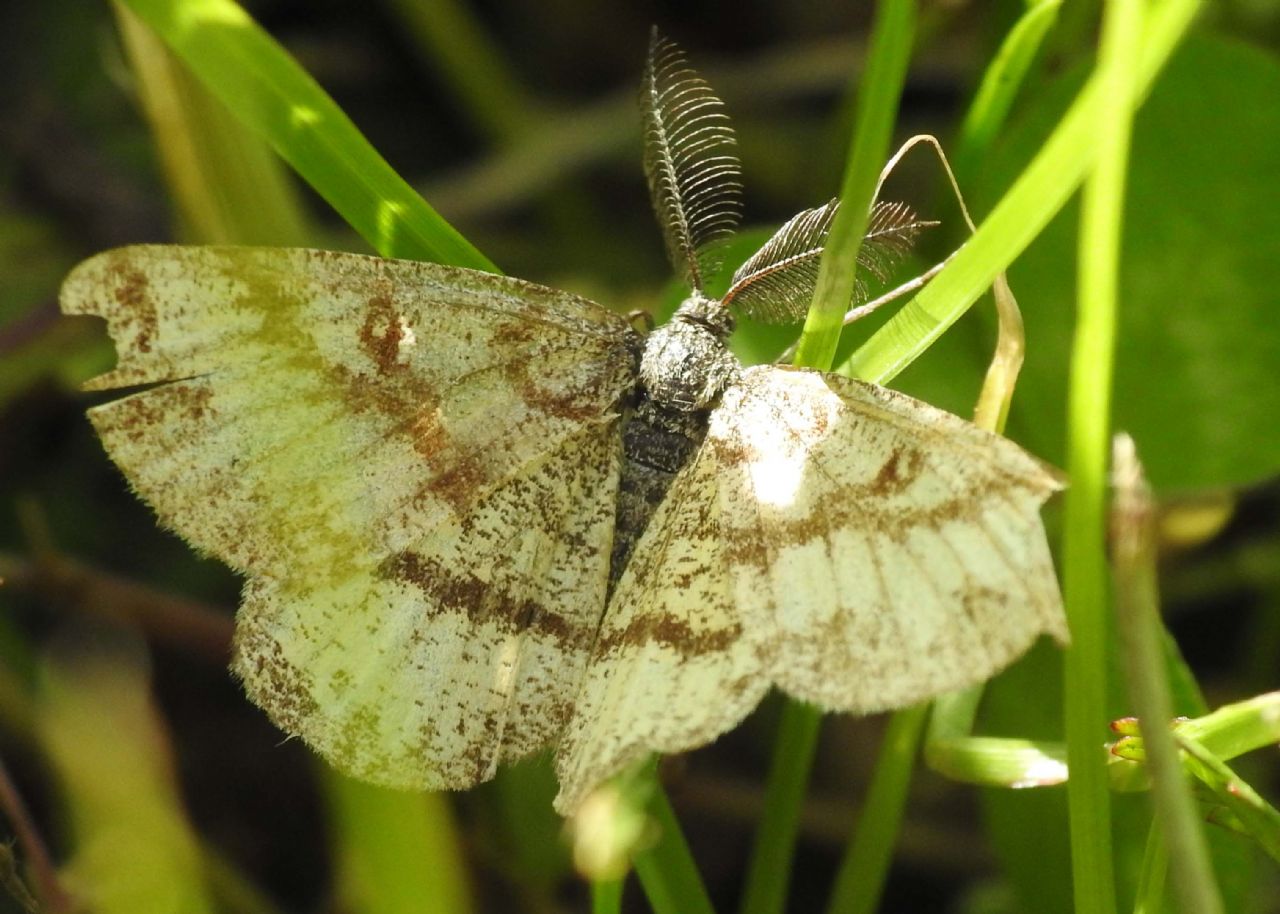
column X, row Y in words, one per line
column 154, row 786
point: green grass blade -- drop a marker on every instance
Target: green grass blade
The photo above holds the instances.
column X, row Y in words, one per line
column 606, row 896
column 266, row 89
column 860, row 880
column 994, row 761
column 1149, row 897
column 395, row 852
column 1000, row 84
column 890, row 51
column 888, row 56
column 1237, row 728
column 1245, row 809
column 1085, row 572
column 1036, row 196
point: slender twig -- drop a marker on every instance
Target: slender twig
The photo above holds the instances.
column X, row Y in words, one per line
column 196, row 626
column 48, row 888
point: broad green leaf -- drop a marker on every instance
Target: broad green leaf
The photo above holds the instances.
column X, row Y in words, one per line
column 1198, row 345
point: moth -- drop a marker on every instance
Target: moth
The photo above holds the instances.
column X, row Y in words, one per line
column 479, row 517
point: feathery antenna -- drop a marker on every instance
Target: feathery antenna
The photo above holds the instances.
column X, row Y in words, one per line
column 693, row 172
column 776, row 283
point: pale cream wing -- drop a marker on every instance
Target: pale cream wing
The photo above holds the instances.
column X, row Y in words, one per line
column 896, row 550
column 455, row 653
column 856, row 547
column 677, row 661
column 415, row 465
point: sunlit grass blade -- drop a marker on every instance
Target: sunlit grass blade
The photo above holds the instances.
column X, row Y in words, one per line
column 999, row 761
column 227, row 184
column 1085, row 572
column 1237, row 728
column 878, row 95
column 265, row 88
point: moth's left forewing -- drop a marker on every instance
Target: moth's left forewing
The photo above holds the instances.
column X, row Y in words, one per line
column 897, row 550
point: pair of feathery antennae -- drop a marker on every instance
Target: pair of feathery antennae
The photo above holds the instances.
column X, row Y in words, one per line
column 696, row 188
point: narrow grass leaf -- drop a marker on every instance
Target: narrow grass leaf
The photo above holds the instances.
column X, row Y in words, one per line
column 1141, row 637
column 860, row 879
column 667, row 873
column 1085, row 572
column 395, row 852
column 768, row 874
column 890, row 52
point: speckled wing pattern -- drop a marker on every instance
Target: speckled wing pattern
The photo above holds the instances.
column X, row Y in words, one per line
column 415, row 466
column 857, row 548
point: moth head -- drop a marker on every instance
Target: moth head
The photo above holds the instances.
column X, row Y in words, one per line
column 686, row 365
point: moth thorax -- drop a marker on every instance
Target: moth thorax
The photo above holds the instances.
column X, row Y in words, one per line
column 686, row 364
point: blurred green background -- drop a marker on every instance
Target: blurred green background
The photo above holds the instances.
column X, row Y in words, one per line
column 157, row 787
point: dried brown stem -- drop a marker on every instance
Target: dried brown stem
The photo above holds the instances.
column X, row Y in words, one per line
column 167, row 618
column 48, row 889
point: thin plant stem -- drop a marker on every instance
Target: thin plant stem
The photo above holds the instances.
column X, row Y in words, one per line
column 606, row 896
column 769, row 871
column 1141, row 634
column 860, row 880
column 879, row 92
column 881, row 88
column 666, row 870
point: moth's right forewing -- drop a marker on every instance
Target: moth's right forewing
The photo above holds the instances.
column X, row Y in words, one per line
column 897, row 549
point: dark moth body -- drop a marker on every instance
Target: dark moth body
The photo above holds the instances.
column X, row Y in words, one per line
column 684, row 367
